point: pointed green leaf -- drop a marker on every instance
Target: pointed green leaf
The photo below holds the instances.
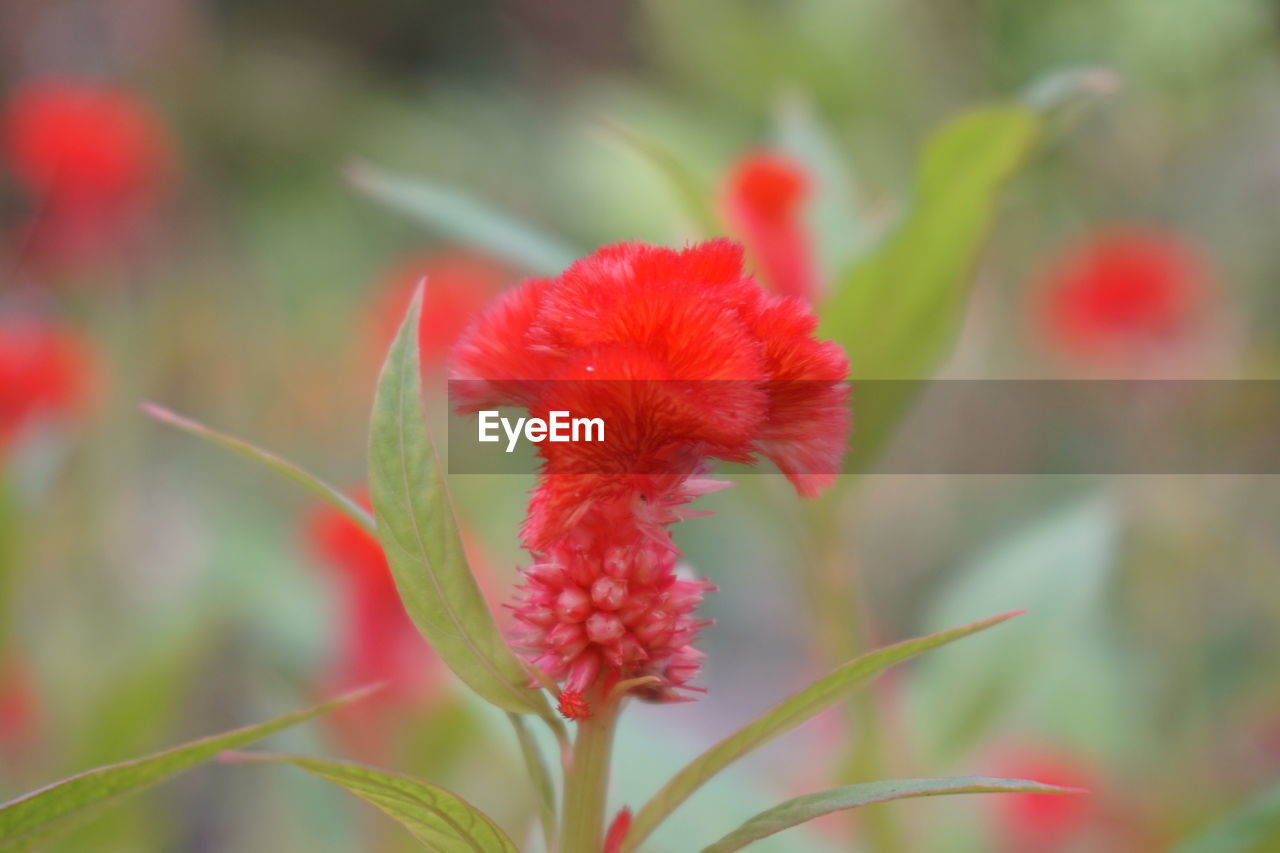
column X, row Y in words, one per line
column 281, row 466
column 41, row 813
column 440, row 819
column 807, row 808
column 420, row 537
column 897, row 310
column 784, row 717
column 458, row 216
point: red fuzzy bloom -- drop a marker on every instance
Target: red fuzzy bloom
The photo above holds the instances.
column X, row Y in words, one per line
column 686, row 360
column 1123, row 292
column 764, row 202
column 79, row 144
column 378, row 641
column 93, row 159
column 43, row 376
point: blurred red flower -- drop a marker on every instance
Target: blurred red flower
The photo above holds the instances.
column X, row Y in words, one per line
column 44, row 375
column 1043, row 823
column 377, row 640
column 459, row 285
column 686, row 360
column 18, row 716
column 764, row 203
column 92, row 157
column 1122, row 293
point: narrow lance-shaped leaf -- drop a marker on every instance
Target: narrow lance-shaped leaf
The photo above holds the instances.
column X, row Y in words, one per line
column 39, row 814
column 281, row 466
column 784, row 717
column 440, row 819
column 807, row 808
column 463, row 218
column 420, row 537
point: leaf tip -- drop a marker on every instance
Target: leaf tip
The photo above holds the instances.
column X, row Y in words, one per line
column 155, row 410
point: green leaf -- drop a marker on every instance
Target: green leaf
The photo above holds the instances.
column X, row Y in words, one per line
column 420, row 537
column 897, row 310
column 39, row 814
column 837, row 217
column 1255, row 827
column 807, row 808
column 281, row 466
column 440, row 819
column 1064, row 89
column 458, row 216
column 784, row 717
column 694, row 194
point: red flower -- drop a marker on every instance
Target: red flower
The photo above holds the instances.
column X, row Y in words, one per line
column 43, row 375
column 1122, row 293
column 459, row 285
column 81, row 144
column 1042, row 823
column 93, row 159
column 378, row 641
column 686, row 360
column 18, row 715
column 764, row 202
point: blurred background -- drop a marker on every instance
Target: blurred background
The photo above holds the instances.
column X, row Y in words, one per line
column 194, row 209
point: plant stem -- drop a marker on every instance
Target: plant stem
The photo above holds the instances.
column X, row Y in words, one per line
column 840, row 617
column 586, row 784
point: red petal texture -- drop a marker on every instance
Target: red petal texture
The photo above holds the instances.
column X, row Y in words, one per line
column 44, row 375
column 764, row 203
column 687, row 361
column 1123, row 291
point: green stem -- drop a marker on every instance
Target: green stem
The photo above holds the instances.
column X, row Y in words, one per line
column 840, row 617
column 586, row 784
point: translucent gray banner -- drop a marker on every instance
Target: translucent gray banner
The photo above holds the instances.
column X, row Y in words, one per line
column 925, row 427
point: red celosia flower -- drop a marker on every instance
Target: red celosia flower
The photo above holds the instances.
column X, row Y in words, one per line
column 85, row 145
column 1042, row 823
column 378, row 642
column 1123, row 292
column 43, row 375
column 687, row 361
column 93, row 159
column 764, row 202
column 459, row 284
